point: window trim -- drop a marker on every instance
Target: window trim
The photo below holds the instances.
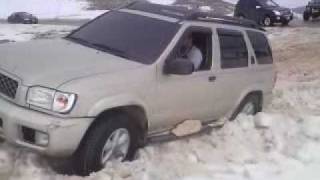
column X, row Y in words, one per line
column 186, row 31
column 257, row 62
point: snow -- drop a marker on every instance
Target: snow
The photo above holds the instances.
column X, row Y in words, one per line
column 282, row 143
column 49, row 9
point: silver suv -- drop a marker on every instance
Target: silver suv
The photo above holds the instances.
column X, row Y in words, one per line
column 119, row 81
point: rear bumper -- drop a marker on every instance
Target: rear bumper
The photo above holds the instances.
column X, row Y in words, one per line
column 64, row 134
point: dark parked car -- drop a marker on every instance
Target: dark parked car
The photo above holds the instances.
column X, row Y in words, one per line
column 23, row 18
column 312, row 10
column 265, row 12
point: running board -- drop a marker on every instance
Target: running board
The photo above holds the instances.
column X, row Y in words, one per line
column 169, row 136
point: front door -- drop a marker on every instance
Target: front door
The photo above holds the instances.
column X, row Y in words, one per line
column 188, row 97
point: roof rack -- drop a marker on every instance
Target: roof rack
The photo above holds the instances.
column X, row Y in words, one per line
column 222, row 19
column 183, row 13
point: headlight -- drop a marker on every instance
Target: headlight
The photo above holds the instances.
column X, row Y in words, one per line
column 51, row 99
column 277, row 13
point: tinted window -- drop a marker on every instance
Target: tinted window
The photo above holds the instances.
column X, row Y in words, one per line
column 135, row 37
column 261, row 47
column 234, row 53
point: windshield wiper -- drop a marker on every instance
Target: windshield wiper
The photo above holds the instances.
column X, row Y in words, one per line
column 111, row 50
column 79, row 40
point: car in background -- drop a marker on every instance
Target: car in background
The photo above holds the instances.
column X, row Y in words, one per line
column 265, row 12
column 312, row 10
column 23, row 18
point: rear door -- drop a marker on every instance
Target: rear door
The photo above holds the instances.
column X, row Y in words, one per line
column 235, row 72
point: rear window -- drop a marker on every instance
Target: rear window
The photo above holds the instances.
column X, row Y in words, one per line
column 261, row 47
column 234, row 52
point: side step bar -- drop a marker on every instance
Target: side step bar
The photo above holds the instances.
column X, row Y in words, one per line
column 167, row 136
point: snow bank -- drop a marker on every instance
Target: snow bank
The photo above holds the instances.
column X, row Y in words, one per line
column 48, row 9
column 20, row 32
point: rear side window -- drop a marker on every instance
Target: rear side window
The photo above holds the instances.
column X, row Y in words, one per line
column 261, row 47
column 234, row 52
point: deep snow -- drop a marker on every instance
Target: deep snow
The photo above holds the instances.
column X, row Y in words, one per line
column 282, row 143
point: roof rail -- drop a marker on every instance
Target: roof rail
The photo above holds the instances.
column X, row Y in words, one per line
column 221, row 19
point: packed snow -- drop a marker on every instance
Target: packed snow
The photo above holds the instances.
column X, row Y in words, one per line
column 282, row 143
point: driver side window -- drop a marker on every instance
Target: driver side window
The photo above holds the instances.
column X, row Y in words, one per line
column 195, row 46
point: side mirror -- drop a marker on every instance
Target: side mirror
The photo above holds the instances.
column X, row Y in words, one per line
column 179, row 66
column 258, row 7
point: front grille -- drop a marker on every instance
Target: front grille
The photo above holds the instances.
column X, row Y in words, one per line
column 8, row 86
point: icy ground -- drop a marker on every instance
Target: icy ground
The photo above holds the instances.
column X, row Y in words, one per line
column 282, row 143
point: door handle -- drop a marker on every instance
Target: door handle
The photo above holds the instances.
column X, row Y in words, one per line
column 212, row 78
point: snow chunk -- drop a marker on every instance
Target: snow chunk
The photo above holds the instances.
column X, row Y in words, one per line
column 263, row 121
column 187, row 127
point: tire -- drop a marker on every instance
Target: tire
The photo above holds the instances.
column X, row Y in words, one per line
column 285, row 23
column 267, row 21
column 306, row 16
column 241, row 16
column 250, row 100
column 89, row 156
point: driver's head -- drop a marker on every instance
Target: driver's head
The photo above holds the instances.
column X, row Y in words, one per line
column 189, row 41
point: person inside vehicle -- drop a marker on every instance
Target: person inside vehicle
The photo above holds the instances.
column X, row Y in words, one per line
column 192, row 53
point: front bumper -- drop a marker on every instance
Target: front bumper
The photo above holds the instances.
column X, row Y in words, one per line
column 65, row 134
column 283, row 18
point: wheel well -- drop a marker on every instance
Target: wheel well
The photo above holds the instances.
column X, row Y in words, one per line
column 258, row 94
column 135, row 113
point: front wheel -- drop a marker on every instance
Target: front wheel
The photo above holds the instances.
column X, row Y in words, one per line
column 306, row 16
column 267, row 21
column 285, row 23
column 241, row 16
column 112, row 139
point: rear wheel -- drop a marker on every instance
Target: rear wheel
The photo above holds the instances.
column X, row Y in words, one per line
column 251, row 105
column 112, row 139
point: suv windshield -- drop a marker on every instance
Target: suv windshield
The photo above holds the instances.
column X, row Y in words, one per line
column 134, row 37
column 268, row 3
